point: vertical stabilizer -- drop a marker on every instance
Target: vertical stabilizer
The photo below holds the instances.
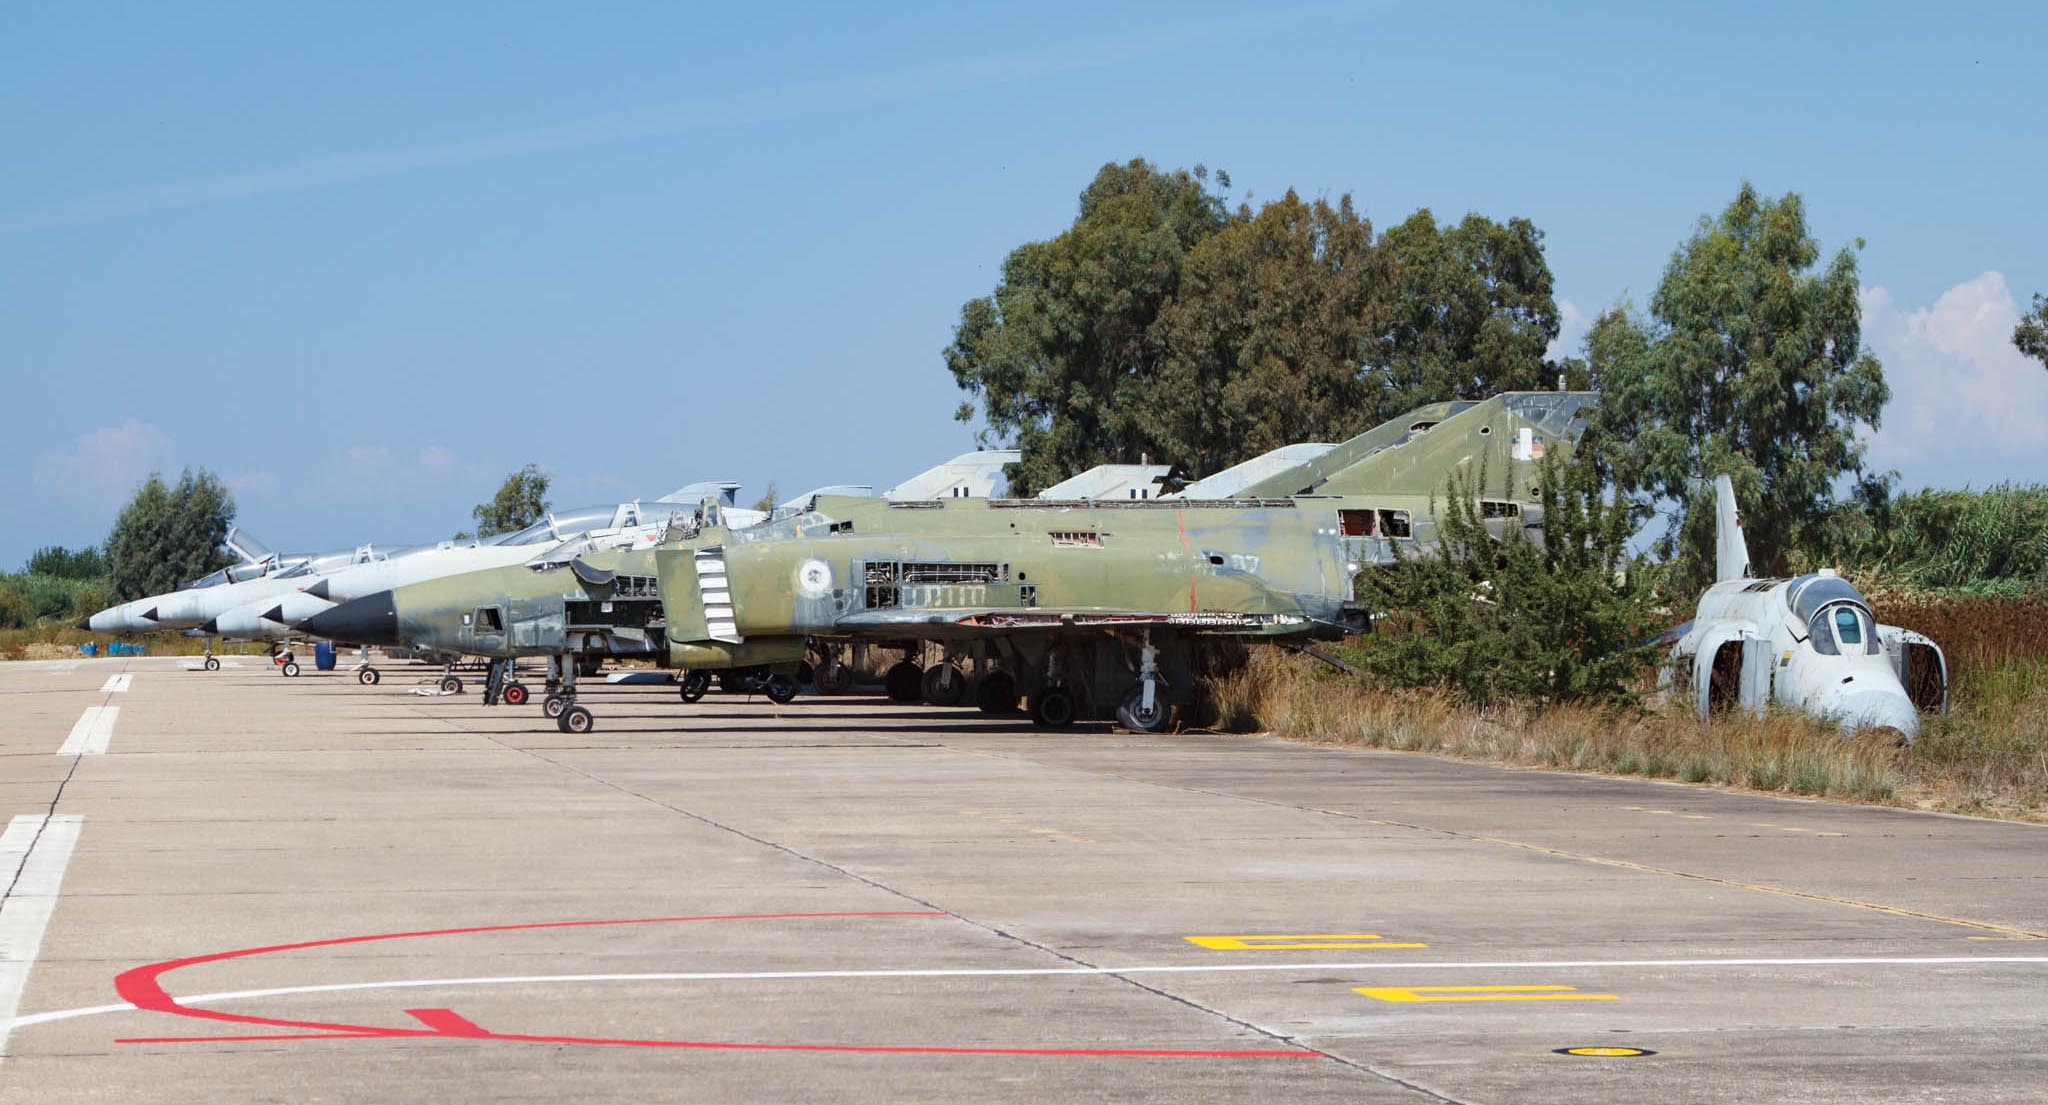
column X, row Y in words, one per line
column 1731, row 552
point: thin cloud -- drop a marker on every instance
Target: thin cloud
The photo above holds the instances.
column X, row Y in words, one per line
column 711, row 112
column 107, row 461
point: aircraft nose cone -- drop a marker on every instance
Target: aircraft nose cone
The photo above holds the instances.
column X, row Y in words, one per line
column 370, row 620
column 1881, row 709
column 84, row 623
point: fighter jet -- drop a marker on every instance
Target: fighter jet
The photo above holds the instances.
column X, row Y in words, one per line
column 1809, row 643
column 195, row 604
column 267, row 595
column 1079, row 606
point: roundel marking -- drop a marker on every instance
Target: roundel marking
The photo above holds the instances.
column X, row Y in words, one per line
column 814, row 579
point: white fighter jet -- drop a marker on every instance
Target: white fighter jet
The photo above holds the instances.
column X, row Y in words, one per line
column 1809, row 643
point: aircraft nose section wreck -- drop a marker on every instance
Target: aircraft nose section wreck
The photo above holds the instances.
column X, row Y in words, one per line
column 1810, row 643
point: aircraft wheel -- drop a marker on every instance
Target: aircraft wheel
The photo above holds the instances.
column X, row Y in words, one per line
column 212, row 664
column 291, row 667
column 451, row 684
column 833, row 678
column 781, row 689
column 1053, row 707
column 369, row 677
column 694, row 684
column 1132, row 715
column 575, row 719
column 997, row 694
column 945, row 685
column 905, row 682
column 515, row 694
column 554, row 704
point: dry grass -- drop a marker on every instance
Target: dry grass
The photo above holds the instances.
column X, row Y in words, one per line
column 1990, row 756
column 54, row 641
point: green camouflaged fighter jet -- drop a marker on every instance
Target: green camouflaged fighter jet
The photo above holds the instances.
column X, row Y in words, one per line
column 1081, row 608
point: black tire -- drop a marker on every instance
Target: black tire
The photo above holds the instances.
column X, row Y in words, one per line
column 833, row 678
column 781, row 689
column 1131, row 714
column 944, row 685
column 369, row 677
column 515, row 694
column 996, row 693
column 291, row 668
column 452, row 684
column 694, row 684
column 575, row 719
column 554, row 704
column 1053, row 707
column 905, row 682
column 212, row 664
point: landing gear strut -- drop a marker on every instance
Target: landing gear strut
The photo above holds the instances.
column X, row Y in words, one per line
column 1143, row 708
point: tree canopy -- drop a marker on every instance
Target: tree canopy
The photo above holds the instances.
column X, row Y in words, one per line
column 169, row 535
column 1751, row 365
column 2031, row 335
column 1166, row 324
column 521, row 501
column 87, row 562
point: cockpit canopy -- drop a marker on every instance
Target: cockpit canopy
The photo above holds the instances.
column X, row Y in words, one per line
column 1837, row 616
column 564, row 524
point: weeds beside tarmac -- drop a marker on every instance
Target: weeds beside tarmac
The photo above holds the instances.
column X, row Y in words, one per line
column 1987, row 756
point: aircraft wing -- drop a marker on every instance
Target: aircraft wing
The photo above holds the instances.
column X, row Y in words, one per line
column 1012, row 619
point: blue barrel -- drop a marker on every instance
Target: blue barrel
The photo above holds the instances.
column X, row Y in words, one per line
column 323, row 655
column 89, row 648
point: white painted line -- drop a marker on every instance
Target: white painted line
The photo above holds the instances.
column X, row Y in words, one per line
column 1032, row 972
column 89, row 736
column 117, row 683
column 45, row 844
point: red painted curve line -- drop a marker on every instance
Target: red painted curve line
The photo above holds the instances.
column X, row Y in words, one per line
column 142, row 988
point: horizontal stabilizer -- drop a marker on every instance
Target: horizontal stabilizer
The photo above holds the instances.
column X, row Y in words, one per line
column 725, row 491
column 968, row 476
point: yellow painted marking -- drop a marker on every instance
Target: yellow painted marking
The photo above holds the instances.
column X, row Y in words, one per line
column 1070, row 838
column 1481, row 993
column 1297, row 942
column 1693, row 817
column 1605, row 1052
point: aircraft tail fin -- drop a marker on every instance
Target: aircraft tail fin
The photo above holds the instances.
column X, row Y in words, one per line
column 242, row 544
column 1731, row 552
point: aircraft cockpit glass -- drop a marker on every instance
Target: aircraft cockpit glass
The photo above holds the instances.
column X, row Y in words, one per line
column 1842, row 630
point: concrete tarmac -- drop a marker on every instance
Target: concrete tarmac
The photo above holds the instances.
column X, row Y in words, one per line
column 236, row 887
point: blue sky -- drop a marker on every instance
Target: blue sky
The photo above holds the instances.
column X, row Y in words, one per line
column 364, row 260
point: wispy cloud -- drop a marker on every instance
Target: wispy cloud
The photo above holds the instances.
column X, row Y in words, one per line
column 732, row 110
column 106, row 462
